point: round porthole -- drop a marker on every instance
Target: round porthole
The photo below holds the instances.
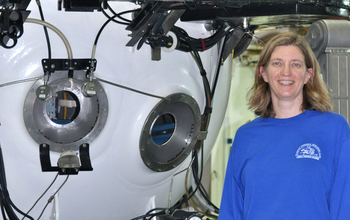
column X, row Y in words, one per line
column 163, row 129
column 68, row 119
column 63, row 108
column 169, row 132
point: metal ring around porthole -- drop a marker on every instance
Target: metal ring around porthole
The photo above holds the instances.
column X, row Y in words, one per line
column 168, row 135
column 68, row 119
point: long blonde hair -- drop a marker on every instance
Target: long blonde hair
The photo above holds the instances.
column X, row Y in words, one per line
column 315, row 93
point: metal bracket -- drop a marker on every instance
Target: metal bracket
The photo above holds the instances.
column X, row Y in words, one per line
column 11, row 25
column 85, row 158
column 201, row 135
column 145, row 20
column 79, row 5
column 63, row 64
column 46, row 162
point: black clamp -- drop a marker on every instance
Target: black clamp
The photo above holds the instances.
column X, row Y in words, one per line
column 52, row 65
column 85, row 162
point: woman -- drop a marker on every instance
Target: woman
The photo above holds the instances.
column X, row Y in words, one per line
column 292, row 162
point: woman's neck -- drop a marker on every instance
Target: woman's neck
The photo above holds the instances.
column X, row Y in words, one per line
column 286, row 109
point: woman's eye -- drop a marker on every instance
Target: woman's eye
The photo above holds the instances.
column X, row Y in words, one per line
column 296, row 64
column 276, row 63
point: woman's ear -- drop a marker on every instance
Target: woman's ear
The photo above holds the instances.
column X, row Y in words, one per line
column 262, row 71
column 309, row 73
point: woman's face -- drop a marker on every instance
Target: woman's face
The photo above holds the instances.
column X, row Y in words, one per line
column 286, row 74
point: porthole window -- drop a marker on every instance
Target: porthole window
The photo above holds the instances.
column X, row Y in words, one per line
column 168, row 135
column 68, row 119
column 63, row 107
column 163, row 129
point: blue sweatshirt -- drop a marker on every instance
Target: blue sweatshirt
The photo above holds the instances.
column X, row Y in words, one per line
column 291, row 169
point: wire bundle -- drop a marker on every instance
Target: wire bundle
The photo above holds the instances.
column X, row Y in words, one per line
column 7, row 207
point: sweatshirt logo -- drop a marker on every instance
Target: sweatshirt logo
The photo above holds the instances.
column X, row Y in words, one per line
column 308, row 151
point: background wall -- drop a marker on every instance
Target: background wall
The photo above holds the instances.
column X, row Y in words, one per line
column 237, row 114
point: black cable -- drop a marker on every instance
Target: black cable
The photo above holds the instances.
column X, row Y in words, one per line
column 148, row 214
column 118, row 15
column 203, row 73
column 109, row 20
column 195, row 168
column 155, row 209
column 46, row 36
column 204, row 192
column 184, row 40
column 2, row 172
column 201, row 187
column 207, row 92
column 42, row 212
column 7, row 205
column 219, row 65
column 128, row 11
column 112, row 18
column 197, row 58
column 8, row 210
column 42, row 194
column 3, row 211
column 208, row 105
column 185, row 199
column 52, row 197
column 19, row 211
column 208, row 96
column 101, row 29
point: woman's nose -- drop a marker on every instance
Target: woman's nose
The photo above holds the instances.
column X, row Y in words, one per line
column 286, row 71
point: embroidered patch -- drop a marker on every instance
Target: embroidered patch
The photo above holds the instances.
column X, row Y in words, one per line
column 308, row 151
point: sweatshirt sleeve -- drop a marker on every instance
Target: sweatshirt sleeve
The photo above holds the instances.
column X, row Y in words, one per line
column 231, row 207
column 340, row 191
